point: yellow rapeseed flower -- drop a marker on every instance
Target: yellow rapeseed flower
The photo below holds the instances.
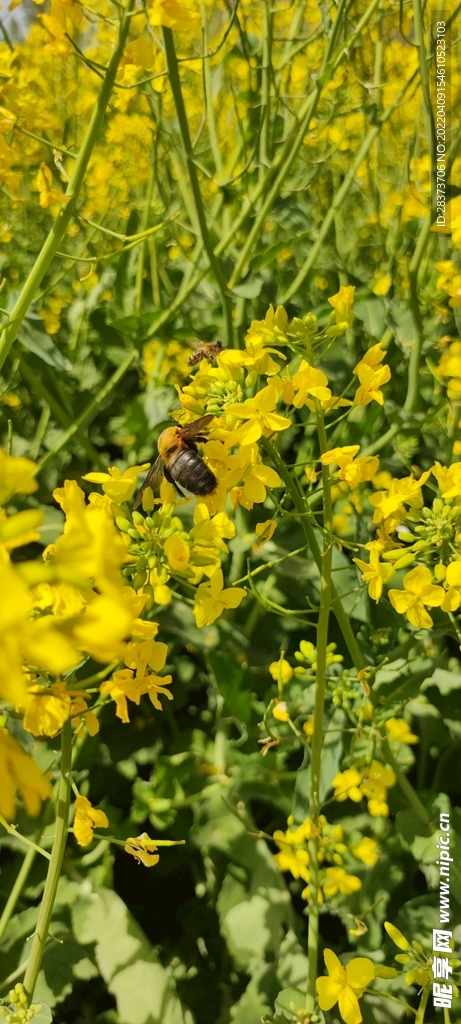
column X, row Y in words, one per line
column 259, row 412
column 366, row 851
column 345, row 986
column 281, row 671
column 17, row 476
column 375, row 573
column 346, row 785
column 143, row 849
column 19, row 773
column 418, row 592
column 338, row 880
column 399, row 730
column 211, row 599
column 118, row 486
column 87, row 818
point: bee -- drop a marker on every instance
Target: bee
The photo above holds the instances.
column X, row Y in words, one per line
column 178, row 460
column 205, row 350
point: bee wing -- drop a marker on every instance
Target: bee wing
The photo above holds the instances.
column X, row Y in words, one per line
column 191, row 430
column 152, row 480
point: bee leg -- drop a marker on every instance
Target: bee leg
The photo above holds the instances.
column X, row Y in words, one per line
column 169, row 477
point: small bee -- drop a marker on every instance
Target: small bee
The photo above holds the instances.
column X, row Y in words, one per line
column 180, row 462
column 205, row 350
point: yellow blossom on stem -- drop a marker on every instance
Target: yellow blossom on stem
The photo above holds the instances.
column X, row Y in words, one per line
column 46, row 709
column 19, row 529
column 17, row 476
column 452, row 581
column 280, row 711
column 292, row 856
column 373, row 357
column 345, row 986
column 19, row 773
column 211, row 599
column 418, row 592
column 375, row 573
column 181, row 16
column 281, row 671
column 399, row 730
column 371, row 381
column 259, row 412
column 118, row 486
column 366, row 851
column 310, row 382
column 338, row 880
column 143, row 849
column 346, row 785
column 177, row 553
column 264, row 532
column 342, row 305
column 376, row 781
column 86, row 819
column 48, row 194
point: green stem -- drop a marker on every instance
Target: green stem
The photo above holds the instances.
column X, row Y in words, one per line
column 309, row 533
column 142, row 248
column 13, row 831
column 54, row 870
column 208, row 92
column 215, row 263
column 419, row 1019
column 67, row 210
column 264, row 150
column 319, row 707
column 406, row 787
column 16, row 891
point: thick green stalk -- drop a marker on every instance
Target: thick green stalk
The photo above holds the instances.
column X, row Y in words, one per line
column 264, row 147
column 420, row 1013
column 18, row 886
column 142, row 247
column 215, row 263
column 318, row 734
column 309, row 533
column 67, row 210
column 209, row 94
column 54, row 870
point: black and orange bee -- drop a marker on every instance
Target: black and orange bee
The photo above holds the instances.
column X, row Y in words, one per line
column 179, row 461
column 205, row 350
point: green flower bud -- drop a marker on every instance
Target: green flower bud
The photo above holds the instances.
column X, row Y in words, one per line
column 140, row 579
column 138, row 519
column 123, row 524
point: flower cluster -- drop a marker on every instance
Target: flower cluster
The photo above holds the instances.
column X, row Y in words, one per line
column 333, row 879
column 56, row 615
column 371, row 782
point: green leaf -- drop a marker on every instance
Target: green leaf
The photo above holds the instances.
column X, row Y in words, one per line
column 232, row 682
column 144, row 997
column 249, row 289
column 371, row 313
column 289, row 1002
